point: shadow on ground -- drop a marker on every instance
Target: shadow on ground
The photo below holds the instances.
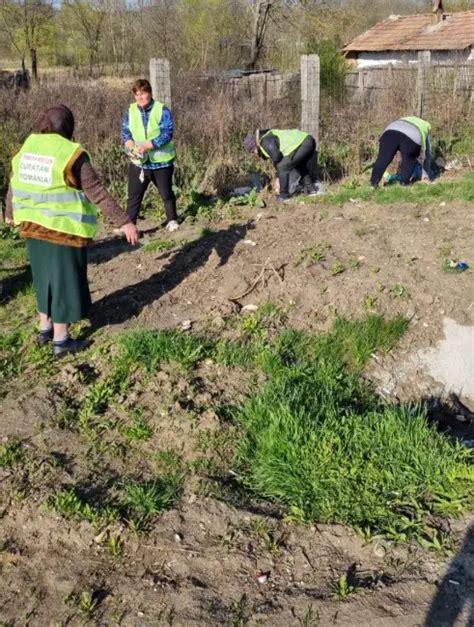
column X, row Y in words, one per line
column 455, row 593
column 120, row 306
column 12, row 285
column 106, row 249
column 451, row 418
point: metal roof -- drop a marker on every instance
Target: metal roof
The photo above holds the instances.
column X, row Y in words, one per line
column 417, row 32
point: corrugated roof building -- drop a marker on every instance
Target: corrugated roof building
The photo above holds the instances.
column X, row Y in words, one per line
column 399, row 38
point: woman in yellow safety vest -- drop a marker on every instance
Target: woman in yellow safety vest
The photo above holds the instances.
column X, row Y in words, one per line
column 411, row 137
column 292, row 152
column 147, row 134
column 53, row 195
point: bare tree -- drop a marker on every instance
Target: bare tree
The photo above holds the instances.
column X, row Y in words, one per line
column 262, row 11
column 23, row 23
column 89, row 19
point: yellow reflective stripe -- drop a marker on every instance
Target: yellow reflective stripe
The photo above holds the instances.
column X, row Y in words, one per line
column 51, row 197
column 163, row 150
column 77, row 217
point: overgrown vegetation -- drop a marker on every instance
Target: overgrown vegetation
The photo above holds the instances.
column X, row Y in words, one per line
column 314, row 437
column 318, row 440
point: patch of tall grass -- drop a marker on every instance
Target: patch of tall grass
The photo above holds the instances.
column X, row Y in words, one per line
column 150, row 348
column 317, row 439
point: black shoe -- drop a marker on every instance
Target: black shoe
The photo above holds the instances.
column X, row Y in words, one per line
column 67, row 346
column 45, row 336
column 283, row 197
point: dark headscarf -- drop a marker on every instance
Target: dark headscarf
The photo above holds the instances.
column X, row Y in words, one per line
column 250, row 143
column 58, row 119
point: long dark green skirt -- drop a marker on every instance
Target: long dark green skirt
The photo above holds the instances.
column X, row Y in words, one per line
column 60, row 280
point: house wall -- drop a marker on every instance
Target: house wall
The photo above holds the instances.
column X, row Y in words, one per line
column 378, row 59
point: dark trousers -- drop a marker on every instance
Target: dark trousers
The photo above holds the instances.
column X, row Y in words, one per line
column 304, row 159
column 162, row 179
column 390, row 143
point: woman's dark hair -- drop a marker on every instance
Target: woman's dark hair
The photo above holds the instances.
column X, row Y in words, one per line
column 58, row 119
column 141, row 84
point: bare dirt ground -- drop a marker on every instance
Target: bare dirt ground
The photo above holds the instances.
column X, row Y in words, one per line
column 219, row 558
column 391, row 259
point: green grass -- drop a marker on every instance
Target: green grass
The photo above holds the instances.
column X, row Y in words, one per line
column 18, row 350
column 151, row 348
column 73, row 505
column 12, row 248
column 342, row 588
column 13, row 353
column 316, row 439
column 138, row 429
column 438, row 191
column 316, row 253
column 11, row 453
column 159, row 245
column 464, row 144
column 134, row 502
column 142, row 501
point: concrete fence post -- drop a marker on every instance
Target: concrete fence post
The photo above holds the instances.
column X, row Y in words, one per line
column 160, row 80
column 422, row 84
column 361, row 83
column 310, row 93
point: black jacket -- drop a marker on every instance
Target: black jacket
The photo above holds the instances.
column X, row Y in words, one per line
column 271, row 145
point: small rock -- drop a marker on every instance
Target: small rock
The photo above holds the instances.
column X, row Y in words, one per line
column 249, row 242
column 186, row 325
column 178, row 538
column 249, row 308
column 263, row 577
column 379, row 551
column 100, row 536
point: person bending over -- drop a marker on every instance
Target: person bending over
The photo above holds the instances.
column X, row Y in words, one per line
column 289, row 150
column 411, row 137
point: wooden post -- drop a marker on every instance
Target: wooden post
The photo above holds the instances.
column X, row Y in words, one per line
column 160, row 80
column 310, row 85
column 422, row 85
